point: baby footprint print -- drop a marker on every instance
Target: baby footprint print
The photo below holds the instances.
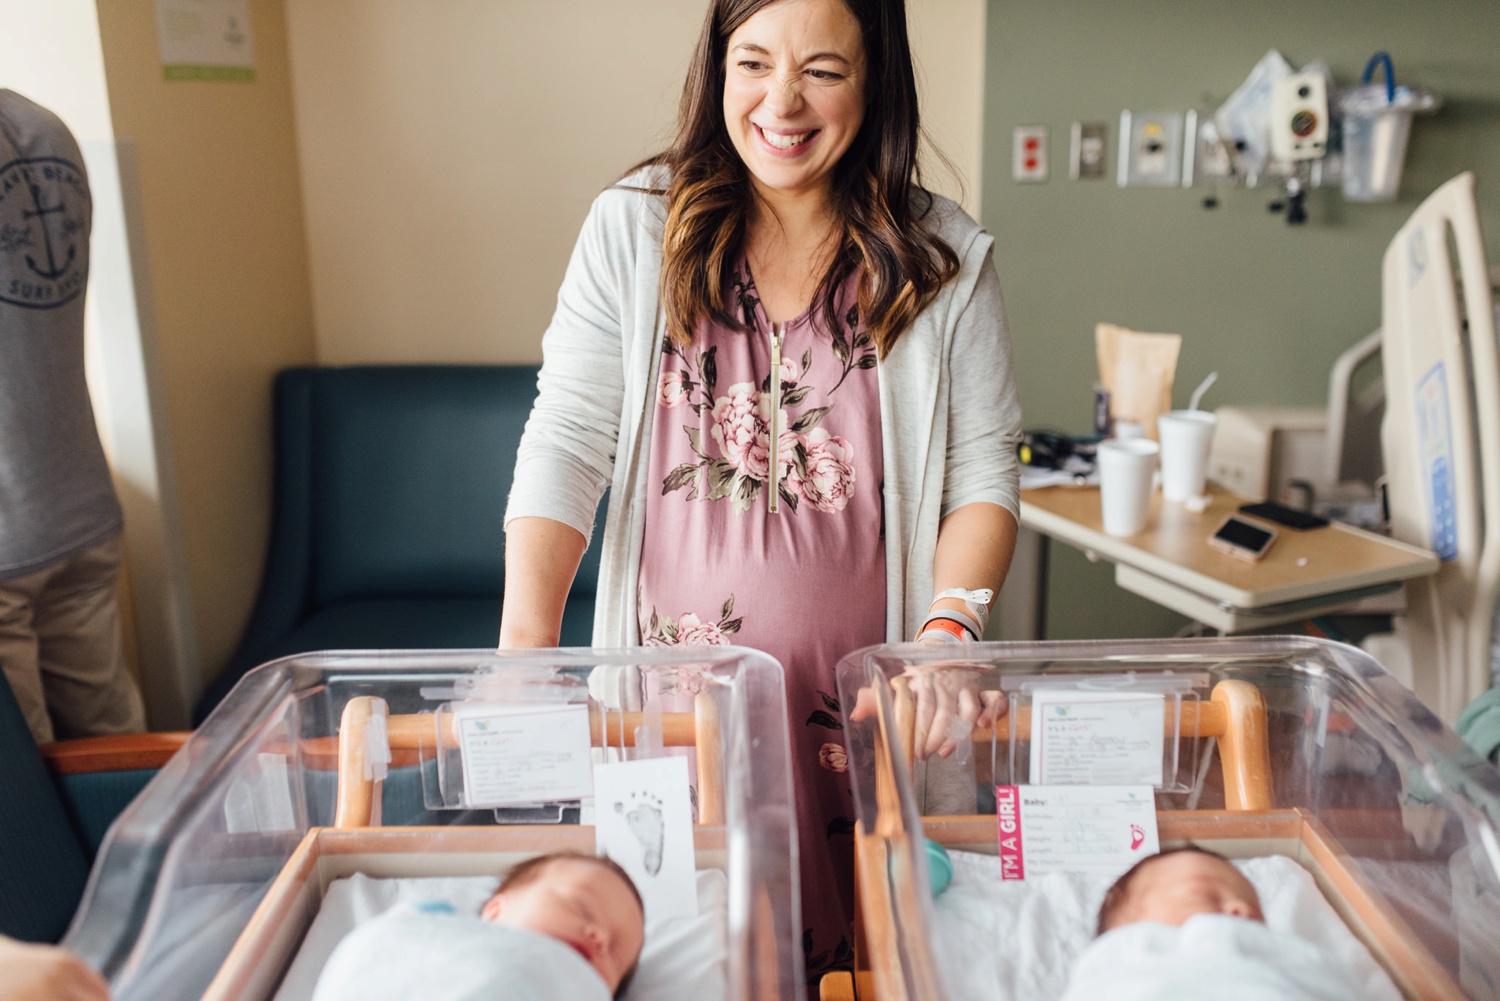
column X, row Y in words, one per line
column 644, row 820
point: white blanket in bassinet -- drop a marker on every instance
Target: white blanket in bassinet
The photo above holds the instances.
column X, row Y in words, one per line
column 1005, row 940
column 403, row 955
column 1229, row 958
column 684, row 959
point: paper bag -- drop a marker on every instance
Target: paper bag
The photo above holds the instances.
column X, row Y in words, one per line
column 1137, row 369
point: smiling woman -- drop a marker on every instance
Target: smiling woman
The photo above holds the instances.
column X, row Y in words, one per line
column 790, row 363
column 791, row 106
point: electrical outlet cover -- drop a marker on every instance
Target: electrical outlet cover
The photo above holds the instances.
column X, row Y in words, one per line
column 1028, row 158
column 1150, row 149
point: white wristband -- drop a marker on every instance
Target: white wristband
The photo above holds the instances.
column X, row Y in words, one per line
column 977, row 602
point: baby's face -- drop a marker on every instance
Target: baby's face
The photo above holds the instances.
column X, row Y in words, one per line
column 581, row 904
column 1177, row 886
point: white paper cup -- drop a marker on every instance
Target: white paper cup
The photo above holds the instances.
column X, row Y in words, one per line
column 1125, row 469
column 1186, row 436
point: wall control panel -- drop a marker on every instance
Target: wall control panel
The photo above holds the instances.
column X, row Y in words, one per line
column 1299, row 117
column 1150, row 149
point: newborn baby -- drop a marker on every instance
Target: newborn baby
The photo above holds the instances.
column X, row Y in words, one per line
column 1176, row 884
column 1187, row 923
column 561, row 925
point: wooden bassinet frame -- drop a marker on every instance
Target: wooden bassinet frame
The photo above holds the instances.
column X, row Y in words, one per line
column 407, row 735
column 1236, row 717
column 358, row 843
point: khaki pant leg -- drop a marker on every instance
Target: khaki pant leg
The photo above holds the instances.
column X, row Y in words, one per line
column 77, row 621
column 18, row 651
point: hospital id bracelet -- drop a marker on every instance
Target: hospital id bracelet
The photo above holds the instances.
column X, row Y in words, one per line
column 945, row 630
column 964, row 620
column 977, row 602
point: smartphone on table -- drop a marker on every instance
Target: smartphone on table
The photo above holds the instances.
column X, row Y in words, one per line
column 1283, row 515
column 1242, row 538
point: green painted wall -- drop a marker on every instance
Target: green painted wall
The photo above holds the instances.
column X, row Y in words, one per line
column 1267, row 305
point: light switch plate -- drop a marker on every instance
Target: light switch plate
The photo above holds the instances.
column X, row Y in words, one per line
column 1086, row 162
column 1028, row 155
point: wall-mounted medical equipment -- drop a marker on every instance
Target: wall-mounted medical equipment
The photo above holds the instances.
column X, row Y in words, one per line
column 1299, row 117
column 1377, row 124
column 1289, row 129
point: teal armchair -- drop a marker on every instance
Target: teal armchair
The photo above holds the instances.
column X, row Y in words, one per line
column 387, row 516
column 56, row 803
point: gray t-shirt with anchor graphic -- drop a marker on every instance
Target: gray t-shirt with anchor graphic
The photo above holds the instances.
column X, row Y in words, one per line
column 56, row 498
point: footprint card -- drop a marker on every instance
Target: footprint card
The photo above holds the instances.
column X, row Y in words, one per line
column 643, row 819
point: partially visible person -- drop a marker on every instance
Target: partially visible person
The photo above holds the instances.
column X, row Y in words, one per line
column 60, row 521
column 46, row 973
column 1186, row 923
column 564, row 925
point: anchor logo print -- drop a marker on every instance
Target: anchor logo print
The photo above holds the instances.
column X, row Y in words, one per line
column 44, row 207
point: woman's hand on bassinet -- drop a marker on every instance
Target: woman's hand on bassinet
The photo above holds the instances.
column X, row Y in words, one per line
column 947, row 705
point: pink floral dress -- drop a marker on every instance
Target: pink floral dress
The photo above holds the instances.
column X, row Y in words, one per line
column 806, row 583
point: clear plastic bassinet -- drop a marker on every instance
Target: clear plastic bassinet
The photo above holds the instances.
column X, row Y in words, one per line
column 1272, row 746
column 222, row 860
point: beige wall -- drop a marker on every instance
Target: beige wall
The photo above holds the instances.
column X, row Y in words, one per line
column 450, row 149
column 947, row 40
column 219, row 209
column 66, row 74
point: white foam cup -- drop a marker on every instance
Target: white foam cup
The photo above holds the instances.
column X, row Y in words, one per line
column 1186, row 436
column 1126, row 466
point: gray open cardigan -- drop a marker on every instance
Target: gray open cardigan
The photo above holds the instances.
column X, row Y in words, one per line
column 949, row 414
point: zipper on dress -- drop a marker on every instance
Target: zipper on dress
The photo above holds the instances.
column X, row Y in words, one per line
column 778, row 332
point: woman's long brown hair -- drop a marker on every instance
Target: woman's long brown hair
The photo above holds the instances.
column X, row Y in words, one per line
column 875, row 198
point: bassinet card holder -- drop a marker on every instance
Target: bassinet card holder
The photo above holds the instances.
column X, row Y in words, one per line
column 1102, row 729
column 518, row 743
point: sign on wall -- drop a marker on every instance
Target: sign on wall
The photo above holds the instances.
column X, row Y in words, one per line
column 205, row 40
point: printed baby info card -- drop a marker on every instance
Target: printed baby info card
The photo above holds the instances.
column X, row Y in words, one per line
column 1096, row 738
column 1098, row 830
column 643, row 819
column 524, row 754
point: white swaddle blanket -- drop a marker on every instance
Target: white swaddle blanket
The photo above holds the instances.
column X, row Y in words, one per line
column 408, row 954
column 1227, row 958
column 684, row 959
column 1043, row 924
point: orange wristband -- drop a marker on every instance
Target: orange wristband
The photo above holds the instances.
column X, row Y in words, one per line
column 947, row 626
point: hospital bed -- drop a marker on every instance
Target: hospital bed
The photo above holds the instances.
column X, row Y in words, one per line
column 1441, row 443
column 1275, row 746
column 321, row 766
